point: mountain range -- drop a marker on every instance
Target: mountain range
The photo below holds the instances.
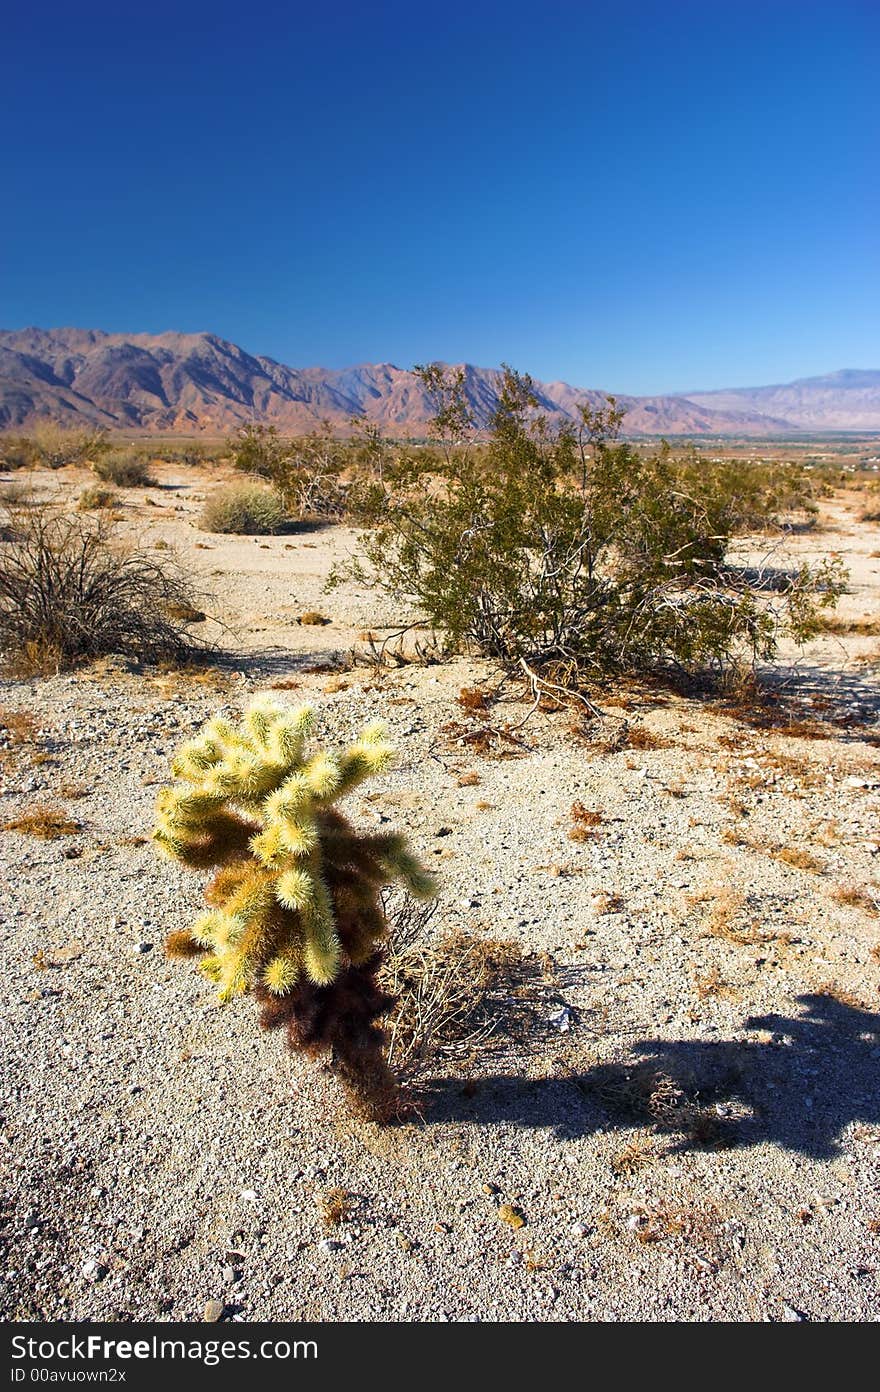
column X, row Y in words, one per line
column 199, row 383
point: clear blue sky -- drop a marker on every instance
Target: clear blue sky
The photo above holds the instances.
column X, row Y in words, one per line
column 638, row 196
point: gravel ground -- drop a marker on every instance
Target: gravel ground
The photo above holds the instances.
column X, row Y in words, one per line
column 161, row 1153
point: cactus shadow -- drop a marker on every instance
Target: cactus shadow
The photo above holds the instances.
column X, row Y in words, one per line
column 799, row 1086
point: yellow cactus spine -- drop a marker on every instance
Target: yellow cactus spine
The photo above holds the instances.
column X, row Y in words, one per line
column 296, row 916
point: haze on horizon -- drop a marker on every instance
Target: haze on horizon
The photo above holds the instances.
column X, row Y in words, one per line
column 680, row 202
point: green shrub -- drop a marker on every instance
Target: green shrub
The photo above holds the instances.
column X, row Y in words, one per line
column 307, row 471
column 564, row 552
column 125, row 468
column 258, row 449
column 759, row 497
column 249, row 509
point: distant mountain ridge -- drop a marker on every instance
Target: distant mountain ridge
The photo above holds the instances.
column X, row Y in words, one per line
column 188, row 383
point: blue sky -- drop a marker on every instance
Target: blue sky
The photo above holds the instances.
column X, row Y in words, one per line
column 644, row 197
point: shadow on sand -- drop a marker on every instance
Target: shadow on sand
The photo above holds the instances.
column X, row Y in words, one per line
column 818, row 1072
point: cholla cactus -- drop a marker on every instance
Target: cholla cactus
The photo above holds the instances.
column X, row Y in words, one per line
column 296, row 915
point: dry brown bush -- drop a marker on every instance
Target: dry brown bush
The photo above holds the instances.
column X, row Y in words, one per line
column 95, row 498
column 125, row 468
column 637, row 1155
column 458, row 995
column 70, row 593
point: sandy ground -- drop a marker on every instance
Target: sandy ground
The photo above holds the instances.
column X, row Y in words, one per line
column 160, row 1153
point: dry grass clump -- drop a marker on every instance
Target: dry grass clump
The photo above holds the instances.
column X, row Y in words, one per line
column 335, row 1206
column 636, row 1155
column 95, row 498
column 457, row 995
column 313, row 618
column 45, row 820
column 244, row 509
column 859, row 628
column 585, row 820
column 724, row 919
column 725, row 905
column 470, row 698
column 646, row 1093
column 70, row 593
column 800, row 859
column 855, row 897
column 17, row 726
column 639, row 737
column 468, row 780
column 124, row 469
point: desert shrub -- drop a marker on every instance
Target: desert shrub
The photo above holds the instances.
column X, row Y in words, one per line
column 249, row 509
column 564, row 551
column 91, row 499
column 190, row 454
column 322, row 478
column 296, row 917
column 69, row 593
column 16, row 495
column 51, row 447
column 307, row 472
column 126, row 468
column 760, row 497
column 457, row 995
column 56, row 447
column 316, row 480
column 17, row 452
column 259, row 449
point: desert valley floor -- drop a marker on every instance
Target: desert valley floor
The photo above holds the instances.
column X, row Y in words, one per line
column 692, row 1129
